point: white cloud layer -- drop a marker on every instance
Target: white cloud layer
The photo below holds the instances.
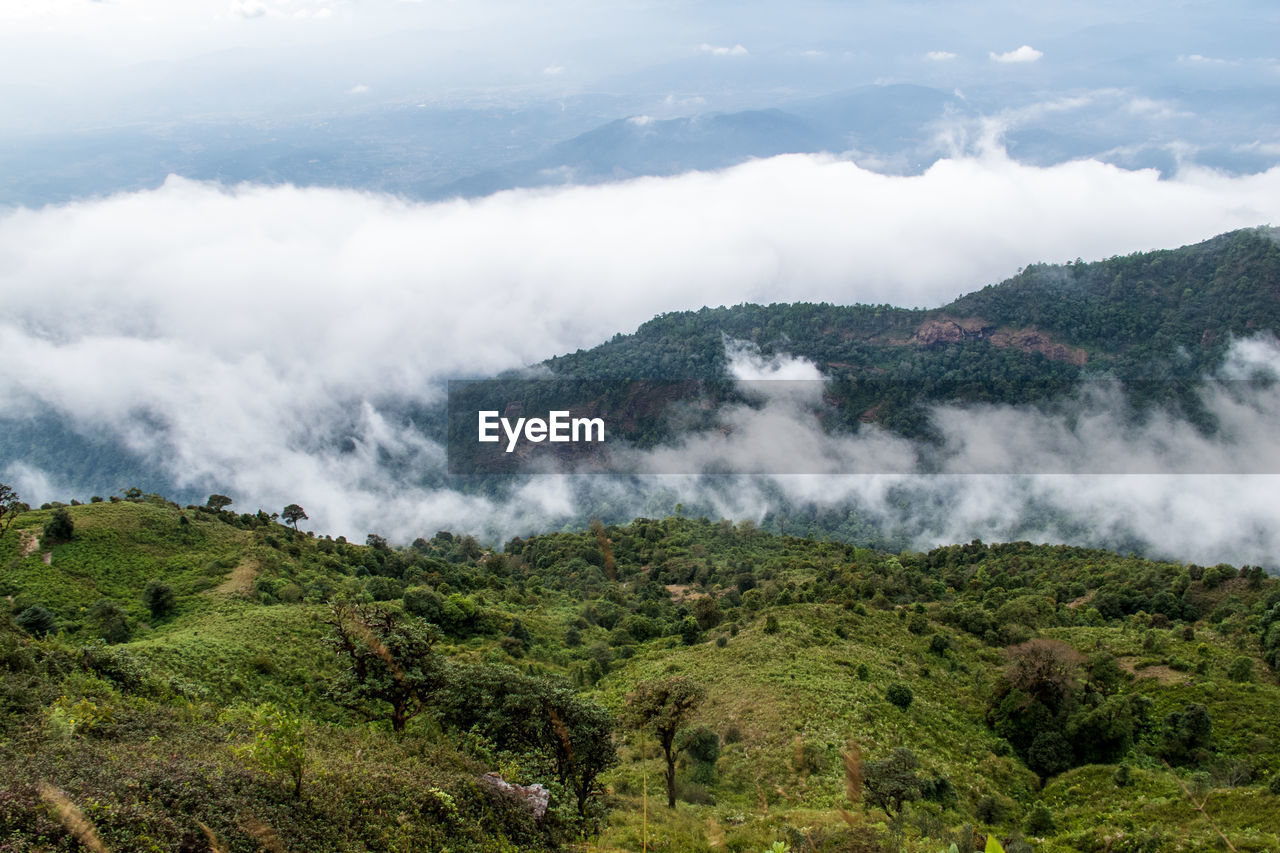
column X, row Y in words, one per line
column 232, row 333
column 722, row 50
column 1026, row 53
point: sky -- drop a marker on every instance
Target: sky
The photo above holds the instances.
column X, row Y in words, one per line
column 230, row 331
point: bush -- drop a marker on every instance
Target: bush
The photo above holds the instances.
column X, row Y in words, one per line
column 1039, row 820
column 159, row 598
column 900, row 694
column 59, row 528
column 1241, row 669
column 1274, row 784
column 36, row 621
column 991, row 811
column 111, row 621
column 771, row 624
column 864, row 672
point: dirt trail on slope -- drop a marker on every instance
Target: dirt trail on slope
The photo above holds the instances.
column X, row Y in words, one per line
column 241, row 580
column 29, row 543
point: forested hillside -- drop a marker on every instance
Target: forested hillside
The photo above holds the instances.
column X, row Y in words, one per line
column 1139, row 316
column 1157, row 321
column 193, row 678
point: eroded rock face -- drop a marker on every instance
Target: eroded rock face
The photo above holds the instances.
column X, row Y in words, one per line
column 954, row 330
column 534, row 797
column 1033, row 340
column 940, row 332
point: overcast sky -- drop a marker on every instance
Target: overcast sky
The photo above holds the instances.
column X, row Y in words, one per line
column 229, row 333
column 79, row 63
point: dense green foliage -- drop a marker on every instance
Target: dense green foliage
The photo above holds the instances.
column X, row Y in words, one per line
column 1049, row 685
column 1157, row 320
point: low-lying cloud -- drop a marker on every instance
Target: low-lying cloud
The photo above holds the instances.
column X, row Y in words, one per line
column 256, row 340
column 1023, row 54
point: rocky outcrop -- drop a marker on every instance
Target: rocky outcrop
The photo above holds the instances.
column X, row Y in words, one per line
column 953, row 330
column 534, row 797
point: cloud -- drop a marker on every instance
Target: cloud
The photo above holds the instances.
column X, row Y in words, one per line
column 1026, row 53
column 358, row 89
column 553, row 70
column 719, row 50
column 1198, row 59
column 248, row 8
column 1157, row 484
column 940, row 55
column 265, row 340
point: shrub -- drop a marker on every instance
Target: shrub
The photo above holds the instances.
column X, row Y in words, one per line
column 702, row 745
column 1274, row 784
column 59, row 528
column 864, row 672
column 159, row 598
column 1039, row 820
column 1241, row 669
column 111, row 620
column 36, row 621
column 900, row 694
column 771, row 624
column 991, row 811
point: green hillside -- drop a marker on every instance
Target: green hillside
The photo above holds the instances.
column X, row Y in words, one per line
column 1155, row 320
column 194, row 679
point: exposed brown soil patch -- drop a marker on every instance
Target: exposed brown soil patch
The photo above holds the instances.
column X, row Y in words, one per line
column 29, row 543
column 683, row 592
column 1082, row 600
column 241, row 579
column 953, row 330
column 1159, row 673
column 1033, row 340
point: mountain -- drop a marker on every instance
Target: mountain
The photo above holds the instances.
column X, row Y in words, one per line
column 894, row 125
column 1157, row 321
column 181, row 678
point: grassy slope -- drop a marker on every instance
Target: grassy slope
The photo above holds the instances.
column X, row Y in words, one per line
column 789, row 693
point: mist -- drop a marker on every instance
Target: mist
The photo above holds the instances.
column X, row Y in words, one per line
column 255, row 341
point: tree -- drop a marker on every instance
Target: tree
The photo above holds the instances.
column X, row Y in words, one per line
column 1044, row 670
column 391, row 660
column 543, row 718
column 662, row 706
column 218, row 503
column 1187, row 735
column 892, row 783
column 59, row 527
column 10, row 507
column 292, row 514
column 159, row 598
